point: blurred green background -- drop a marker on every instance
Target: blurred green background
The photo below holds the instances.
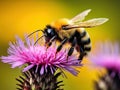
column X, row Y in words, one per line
column 18, row 17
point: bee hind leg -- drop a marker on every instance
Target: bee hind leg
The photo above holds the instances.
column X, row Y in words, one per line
column 82, row 54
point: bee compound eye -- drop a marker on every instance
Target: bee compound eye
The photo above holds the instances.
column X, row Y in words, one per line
column 52, row 33
column 49, row 31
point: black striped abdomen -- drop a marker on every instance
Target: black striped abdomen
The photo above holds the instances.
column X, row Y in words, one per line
column 83, row 40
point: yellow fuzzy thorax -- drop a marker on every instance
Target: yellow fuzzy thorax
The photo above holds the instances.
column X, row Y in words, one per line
column 60, row 22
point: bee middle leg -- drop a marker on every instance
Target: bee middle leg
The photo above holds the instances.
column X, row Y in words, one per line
column 62, row 43
column 71, row 50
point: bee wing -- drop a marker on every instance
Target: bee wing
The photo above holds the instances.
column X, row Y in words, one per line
column 87, row 24
column 92, row 22
column 80, row 16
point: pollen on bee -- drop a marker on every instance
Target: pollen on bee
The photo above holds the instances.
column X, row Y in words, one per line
column 60, row 22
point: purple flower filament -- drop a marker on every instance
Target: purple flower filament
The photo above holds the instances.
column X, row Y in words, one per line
column 39, row 57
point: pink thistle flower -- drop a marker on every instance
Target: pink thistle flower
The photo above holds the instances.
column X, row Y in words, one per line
column 40, row 57
column 107, row 55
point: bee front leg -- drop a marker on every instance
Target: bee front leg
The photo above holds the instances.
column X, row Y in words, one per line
column 51, row 40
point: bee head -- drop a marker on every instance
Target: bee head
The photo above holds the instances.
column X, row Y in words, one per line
column 49, row 32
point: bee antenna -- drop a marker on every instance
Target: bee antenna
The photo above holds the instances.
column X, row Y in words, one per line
column 39, row 39
column 34, row 32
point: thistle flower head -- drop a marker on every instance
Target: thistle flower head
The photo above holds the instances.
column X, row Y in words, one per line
column 40, row 57
column 106, row 82
column 107, row 55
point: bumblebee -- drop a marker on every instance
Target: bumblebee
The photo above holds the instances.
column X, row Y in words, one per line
column 72, row 31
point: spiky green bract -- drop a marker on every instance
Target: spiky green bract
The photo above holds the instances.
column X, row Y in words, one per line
column 109, row 81
column 35, row 81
